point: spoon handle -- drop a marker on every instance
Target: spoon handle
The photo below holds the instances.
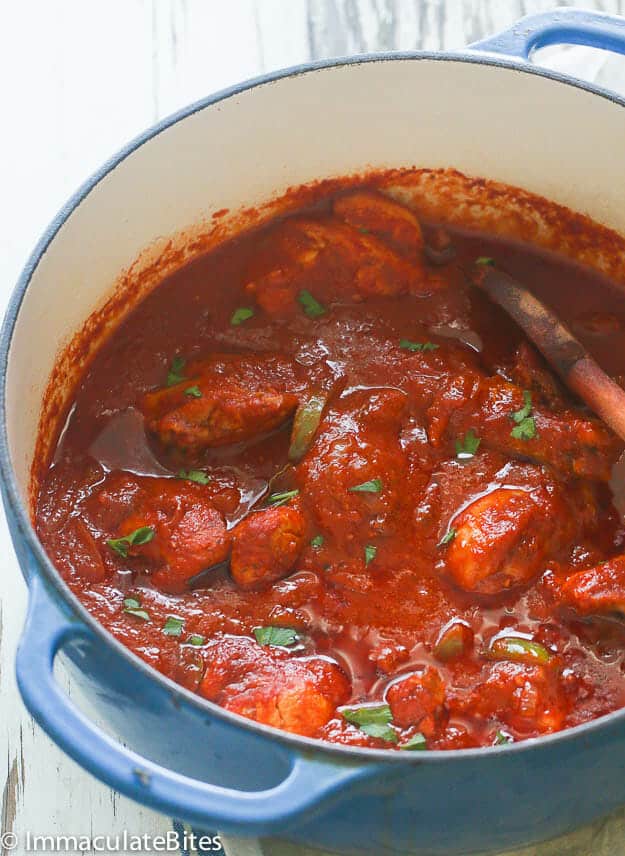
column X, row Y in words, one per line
column 581, row 373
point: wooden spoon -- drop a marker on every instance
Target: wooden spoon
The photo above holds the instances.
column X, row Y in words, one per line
column 561, row 349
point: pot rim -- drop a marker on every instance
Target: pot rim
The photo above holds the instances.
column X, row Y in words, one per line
column 22, row 517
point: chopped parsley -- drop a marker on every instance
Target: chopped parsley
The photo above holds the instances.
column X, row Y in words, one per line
column 525, row 428
column 193, row 391
column 197, row 476
column 196, row 639
column 374, row 720
column 371, row 486
column 501, row 738
column 142, row 535
column 281, row 636
column 447, row 537
column 317, row 541
column 282, row 498
column 416, row 743
column 174, row 375
column 468, row 445
column 132, row 606
column 407, row 345
column 370, row 553
column 173, row 626
column 485, row 260
column 240, row 315
column 310, row 304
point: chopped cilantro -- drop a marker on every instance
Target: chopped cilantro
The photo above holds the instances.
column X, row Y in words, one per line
column 416, row 743
column 132, row 606
column 282, row 636
column 370, row 553
column 447, row 537
column 197, row 476
column 310, row 305
column 142, row 535
column 468, row 445
column 374, row 720
column 174, row 375
column 371, row 486
column 173, row 626
column 407, row 345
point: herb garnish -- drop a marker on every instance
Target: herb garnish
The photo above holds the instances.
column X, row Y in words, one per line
column 447, row 537
column 173, row 626
column 317, row 541
column 370, row 553
column 484, row 260
column 525, row 428
column 240, row 315
column 310, row 304
column 371, row 486
column 282, row 636
column 132, row 606
column 501, row 737
column 281, row 498
column 193, row 391
column 374, row 720
column 174, row 375
column 407, row 345
column 468, row 445
column 197, row 476
column 416, row 743
column 142, row 535
column 196, row 639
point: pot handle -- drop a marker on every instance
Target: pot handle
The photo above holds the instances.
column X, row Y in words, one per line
column 308, row 783
column 561, row 27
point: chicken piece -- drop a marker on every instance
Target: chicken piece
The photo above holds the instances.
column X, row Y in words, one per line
column 572, row 443
column 385, row 218
column 527, row 698
column 502, row 539
column 354, row 475
column 495, row 523
column 597, row 591
column 530, row 371
column 270, row 685
column 418, row 700
column 223, row 402
column 331, row 260
column 184, row 533
column 265, row 546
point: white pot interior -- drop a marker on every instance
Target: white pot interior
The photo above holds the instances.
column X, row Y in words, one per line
column 547, row 137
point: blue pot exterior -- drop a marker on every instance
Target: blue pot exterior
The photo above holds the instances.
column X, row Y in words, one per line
column 428, row 803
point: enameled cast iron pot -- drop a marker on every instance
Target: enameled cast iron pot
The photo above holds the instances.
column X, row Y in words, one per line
column 488, row 113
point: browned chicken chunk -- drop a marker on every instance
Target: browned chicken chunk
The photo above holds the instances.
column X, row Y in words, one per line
column 597, row 591
column 217, row 408
column 333, row 261
column 170, row 526
column 265, row 546
column 505, row 417
column 270, row 685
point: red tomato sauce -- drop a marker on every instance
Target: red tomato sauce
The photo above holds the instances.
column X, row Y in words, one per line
column 362, row 509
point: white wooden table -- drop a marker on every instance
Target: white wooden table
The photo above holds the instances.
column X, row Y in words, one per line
column 78, row 78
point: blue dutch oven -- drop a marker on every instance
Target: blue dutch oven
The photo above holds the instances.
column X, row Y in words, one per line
column 486, row 111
